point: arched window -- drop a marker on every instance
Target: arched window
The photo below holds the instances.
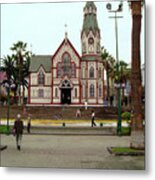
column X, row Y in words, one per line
column 83, row 72
column 66, row 64
column 100, row 73
column 75, row 92
column 91, row 90
column 91, row 72
column 66, row 67
column 41, row 78
column 56, row 92
column 83, row 91
column 40, row 93
column 100, row 91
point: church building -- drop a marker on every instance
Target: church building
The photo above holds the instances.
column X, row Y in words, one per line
column 67, row 77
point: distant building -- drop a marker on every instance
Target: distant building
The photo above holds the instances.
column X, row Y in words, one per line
column 2, row 87
column 2, row 76
column 66, row 77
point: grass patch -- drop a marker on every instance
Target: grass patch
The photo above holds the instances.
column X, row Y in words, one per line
column 126, row 151
column 4, row 130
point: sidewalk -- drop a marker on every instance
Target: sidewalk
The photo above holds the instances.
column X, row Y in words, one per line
column 85, row 152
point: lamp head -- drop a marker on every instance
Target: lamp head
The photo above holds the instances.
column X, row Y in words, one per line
column 120, row 7
column 108, row 6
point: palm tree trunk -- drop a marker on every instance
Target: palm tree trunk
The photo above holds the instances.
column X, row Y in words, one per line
column 15, row 95
column 108, row 96
column 23, row 94
column 137, row 139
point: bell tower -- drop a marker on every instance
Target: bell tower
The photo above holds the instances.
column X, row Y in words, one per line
column 90, row 35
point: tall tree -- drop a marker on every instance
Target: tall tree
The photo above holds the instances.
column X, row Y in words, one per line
column 22, row 58
column 8, row 68
column 123, row 77
column 137, row 139
column 25, row 73
column 108, row 64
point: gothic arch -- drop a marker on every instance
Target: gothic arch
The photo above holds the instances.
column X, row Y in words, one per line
column 92, row 90
column 91, row 72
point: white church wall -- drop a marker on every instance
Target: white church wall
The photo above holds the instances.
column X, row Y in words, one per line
column 91, row 101
column 100, row 101
column 34, row 79
column 48, row 78
column 46, row 95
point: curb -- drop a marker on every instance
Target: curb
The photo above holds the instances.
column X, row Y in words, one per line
column 72, row 131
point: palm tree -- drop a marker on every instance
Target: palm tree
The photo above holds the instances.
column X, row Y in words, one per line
column 8, row 68
column 22, row 59
column 25, row 73
column 108, row 64
column 137, row 139
column 123, row 79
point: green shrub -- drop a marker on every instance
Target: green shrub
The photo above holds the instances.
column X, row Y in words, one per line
column 126, row 115
column 4, row 130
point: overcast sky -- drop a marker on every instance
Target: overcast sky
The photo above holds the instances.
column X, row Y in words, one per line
column 42, row 26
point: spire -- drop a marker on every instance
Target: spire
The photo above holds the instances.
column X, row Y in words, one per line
column 90, row 19
column 90, row 35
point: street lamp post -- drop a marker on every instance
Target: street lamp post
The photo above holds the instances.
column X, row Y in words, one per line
column 109, row 7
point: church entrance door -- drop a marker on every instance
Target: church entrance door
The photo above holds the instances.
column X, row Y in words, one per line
column 66, row 96
column 66, row 88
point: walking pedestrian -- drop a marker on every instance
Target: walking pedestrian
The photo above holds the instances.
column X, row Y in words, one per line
column 93, row 119
column 18, row 130
column 78, row 113
column 29, row 124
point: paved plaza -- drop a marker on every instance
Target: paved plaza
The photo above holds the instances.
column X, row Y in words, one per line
column 68, row 151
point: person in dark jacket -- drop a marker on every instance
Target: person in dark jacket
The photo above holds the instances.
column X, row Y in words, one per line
column 29, row 124
column 18, row 129
column 93, row 119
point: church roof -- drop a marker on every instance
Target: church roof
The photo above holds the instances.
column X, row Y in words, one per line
column 66, row 41
column 90, row 19
column 90, row 22
column 38, row 60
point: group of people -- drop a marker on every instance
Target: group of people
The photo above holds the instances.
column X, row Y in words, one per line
column 18, row 129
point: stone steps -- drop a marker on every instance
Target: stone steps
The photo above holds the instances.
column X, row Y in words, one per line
column 60, row 112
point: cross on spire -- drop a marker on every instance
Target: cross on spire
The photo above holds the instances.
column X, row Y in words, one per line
column 66, row 34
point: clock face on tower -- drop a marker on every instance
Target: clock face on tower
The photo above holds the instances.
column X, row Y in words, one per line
column 91, row 40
